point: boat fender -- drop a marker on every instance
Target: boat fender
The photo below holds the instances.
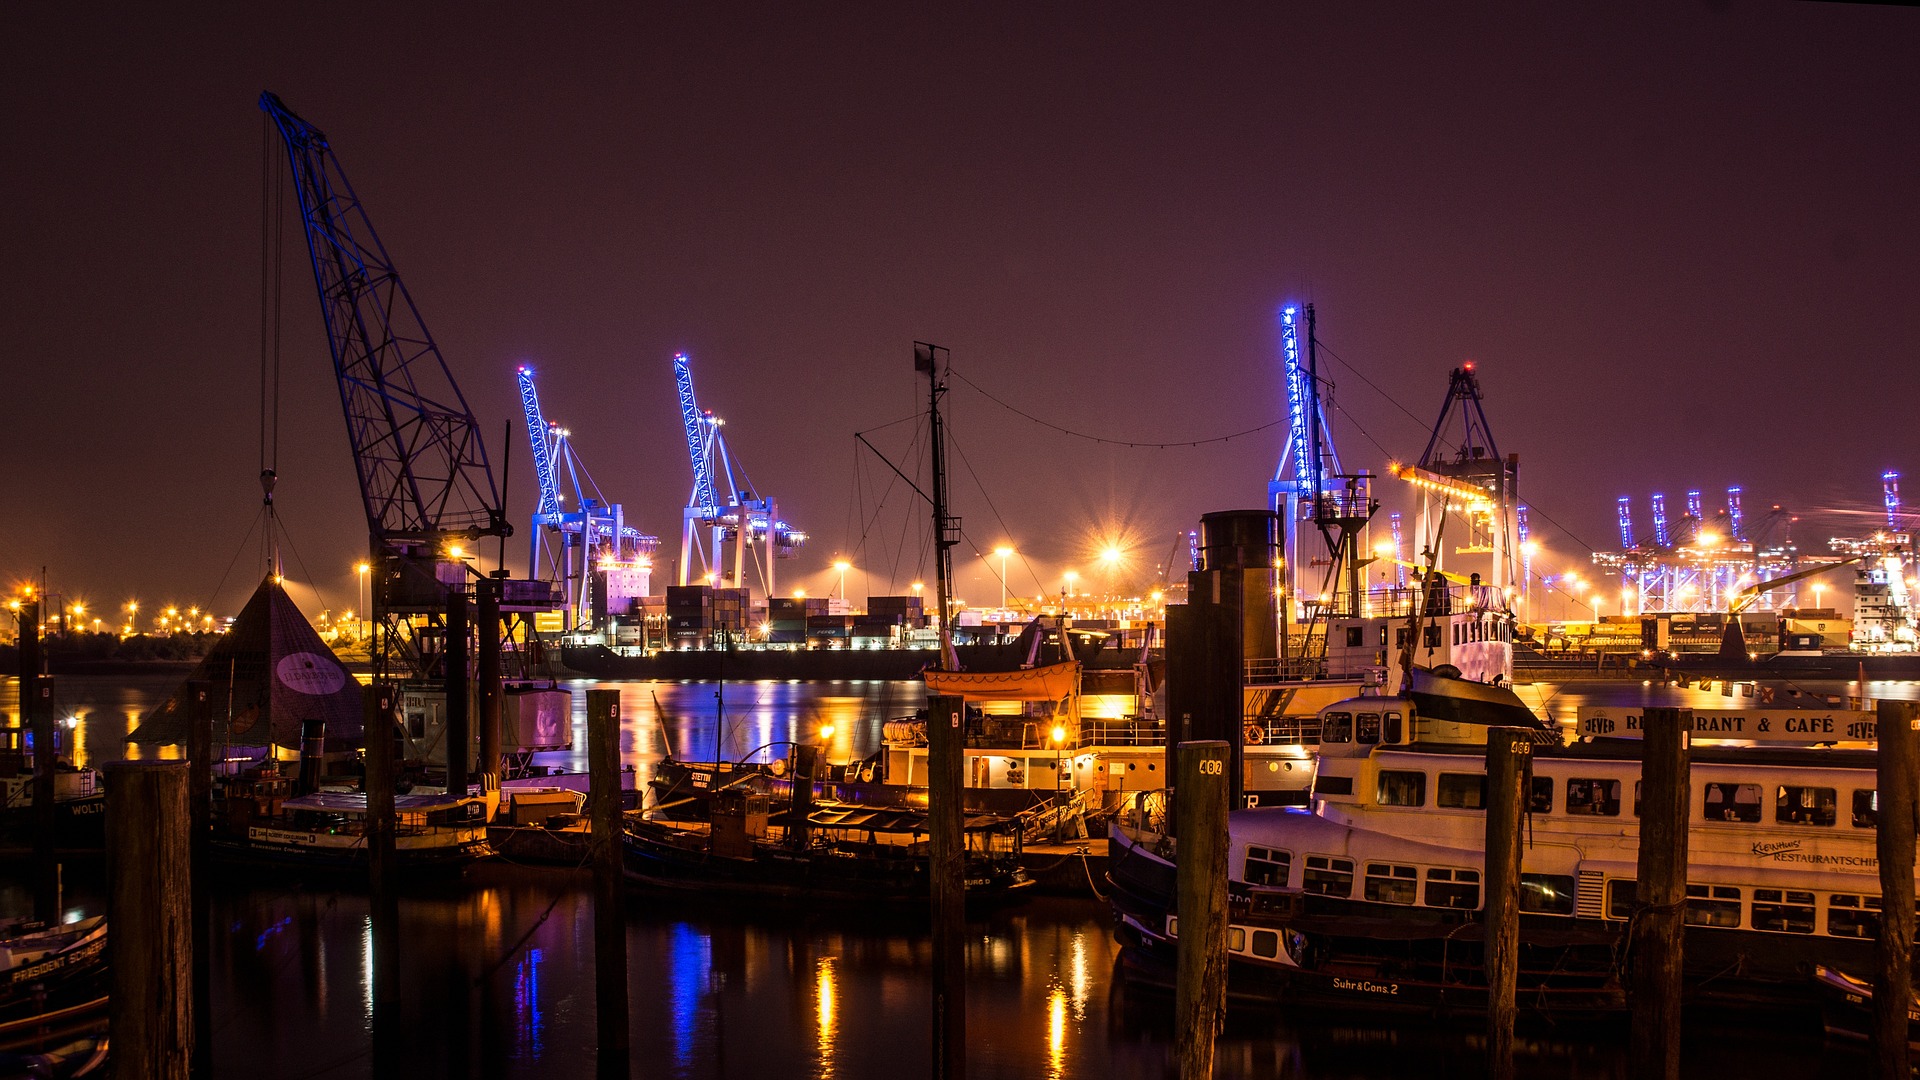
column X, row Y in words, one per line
column 866, row 775
column 778, row 766
column 1253, row 734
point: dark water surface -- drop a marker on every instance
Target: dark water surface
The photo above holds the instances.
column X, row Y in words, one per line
column 497, row 969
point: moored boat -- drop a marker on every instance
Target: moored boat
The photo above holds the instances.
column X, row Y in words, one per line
column 326, row 831
column 1377, row 885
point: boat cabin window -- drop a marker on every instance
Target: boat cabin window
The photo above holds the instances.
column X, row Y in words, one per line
column 1389, row 884
column 1593, row 797
column 1796, row 805
column 1461, row 791
column 1620, row 898
column 1236, row 939
column 1787, row 911
column 1327, row 876
column 1453, row 888
column 1866, row 808
column 1266, row 943
column 1733, row 802
column 1267, row 866
column 1366, row 728
column 1853, row 916
column 1540, row 795
column 1390, row 730
column 1713, row 905
column 1432, row 637
column 1337, row 727
column 1402, row 788
column 1356, row 637
column 1546, row 894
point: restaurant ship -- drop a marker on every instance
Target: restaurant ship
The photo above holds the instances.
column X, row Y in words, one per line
column 1372, row 896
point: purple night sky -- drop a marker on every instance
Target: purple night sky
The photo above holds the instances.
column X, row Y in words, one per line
column 1679, row 240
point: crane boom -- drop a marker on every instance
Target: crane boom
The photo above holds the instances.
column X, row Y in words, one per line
column 543, row 472
column 422, row 466
column 703, row 496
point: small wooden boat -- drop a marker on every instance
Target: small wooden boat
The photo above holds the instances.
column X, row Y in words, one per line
column 1846, row 1006
column 327, row 831
column 827, row 851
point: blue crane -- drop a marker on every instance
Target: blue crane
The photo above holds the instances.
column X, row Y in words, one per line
column 1626, row 523
column 1308, row 484
column 601, row 562
column 748, row 521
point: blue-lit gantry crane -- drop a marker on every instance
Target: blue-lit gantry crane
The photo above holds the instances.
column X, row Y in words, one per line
column 748, row 523
column 1310, row 487
column 602, row 563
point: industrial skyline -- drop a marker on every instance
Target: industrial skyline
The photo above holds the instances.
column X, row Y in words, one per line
column 1676, row 241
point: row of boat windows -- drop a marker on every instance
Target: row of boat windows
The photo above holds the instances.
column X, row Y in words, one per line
column 1383, row 883
column 1786, row 911
column 1793, row 804
column 1482, row 629
column 1781, row 911
column 1367, row 728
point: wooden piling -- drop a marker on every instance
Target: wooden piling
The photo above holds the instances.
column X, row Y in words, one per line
column 1894, row 843
column 805, row 760
column 378, row 734
column 609, row 918
column 459, row 740
column 1509, row 761
column 149, row 913
column 1661, row 892
column 487, row 615
column 1200, row 802
column 36, row 715
column 199, row 821
column 946, row 849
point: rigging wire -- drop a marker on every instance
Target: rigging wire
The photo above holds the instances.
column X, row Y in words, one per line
column 1134, row 444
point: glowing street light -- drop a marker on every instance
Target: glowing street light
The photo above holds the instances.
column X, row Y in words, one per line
column 1003, row 551
column 1071, row 576
column 842, row 566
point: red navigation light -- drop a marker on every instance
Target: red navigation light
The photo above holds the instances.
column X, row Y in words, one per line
column 1469, row 365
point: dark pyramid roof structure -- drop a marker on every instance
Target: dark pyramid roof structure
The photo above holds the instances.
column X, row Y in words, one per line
column 268, row 674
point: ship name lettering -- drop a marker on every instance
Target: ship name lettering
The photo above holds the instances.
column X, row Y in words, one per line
column 1366, row 987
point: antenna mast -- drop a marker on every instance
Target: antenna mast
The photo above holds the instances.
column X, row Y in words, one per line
column 931, row 360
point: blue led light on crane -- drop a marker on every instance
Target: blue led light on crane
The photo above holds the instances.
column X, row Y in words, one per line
column 1660, row 536
column 1890, row 483
column 1298, row 403
column 1626, row 522
column 537, row 434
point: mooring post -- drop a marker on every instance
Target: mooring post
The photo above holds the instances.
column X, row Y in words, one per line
column 1893, row 842
column 149, row 911
column 1660, row 892
column 36, row 715
column 199, row 820
column 378, row 734
column 609, row 919
column 946, row 850
column 487, row 614
column 459, row 740
column 1200, row 805
column 1509, row 761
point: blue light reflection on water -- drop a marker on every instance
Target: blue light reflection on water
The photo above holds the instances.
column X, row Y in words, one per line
column 527, row 1004
column 690, row 965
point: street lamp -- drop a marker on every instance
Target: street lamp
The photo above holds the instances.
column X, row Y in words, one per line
column 1071, row 576
column 1003, row 552
column 842, row 566
column 363, row 569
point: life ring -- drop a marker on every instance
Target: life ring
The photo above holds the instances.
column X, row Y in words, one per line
column 778, row 767
column 1253, row 734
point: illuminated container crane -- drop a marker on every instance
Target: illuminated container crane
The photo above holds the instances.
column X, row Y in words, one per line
column 746, row 522
column 1736, row 526
column 1625, row 506
column 597, row 557
column 1890, row 494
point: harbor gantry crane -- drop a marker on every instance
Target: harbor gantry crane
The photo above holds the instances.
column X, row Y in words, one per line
column 1473, row 480
column 428, row 490
column 747, row 522
column 599, row 560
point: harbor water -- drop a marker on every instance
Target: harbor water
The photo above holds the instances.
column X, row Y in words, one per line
column 497, row 969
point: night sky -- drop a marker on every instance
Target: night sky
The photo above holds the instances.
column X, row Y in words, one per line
column 1680, row 241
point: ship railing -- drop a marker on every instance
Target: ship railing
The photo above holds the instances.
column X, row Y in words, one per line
column 1430, row 601
column 1270, row 670
column 1281, row 731
column 1127, row 732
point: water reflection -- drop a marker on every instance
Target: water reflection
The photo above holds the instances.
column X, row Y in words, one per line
column 825, row 998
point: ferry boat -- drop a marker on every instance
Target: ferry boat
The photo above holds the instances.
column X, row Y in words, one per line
column 1371, row 896
column 1464, row 632
column 79, row 802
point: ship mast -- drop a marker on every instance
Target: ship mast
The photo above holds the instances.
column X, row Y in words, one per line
column 946, row 529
